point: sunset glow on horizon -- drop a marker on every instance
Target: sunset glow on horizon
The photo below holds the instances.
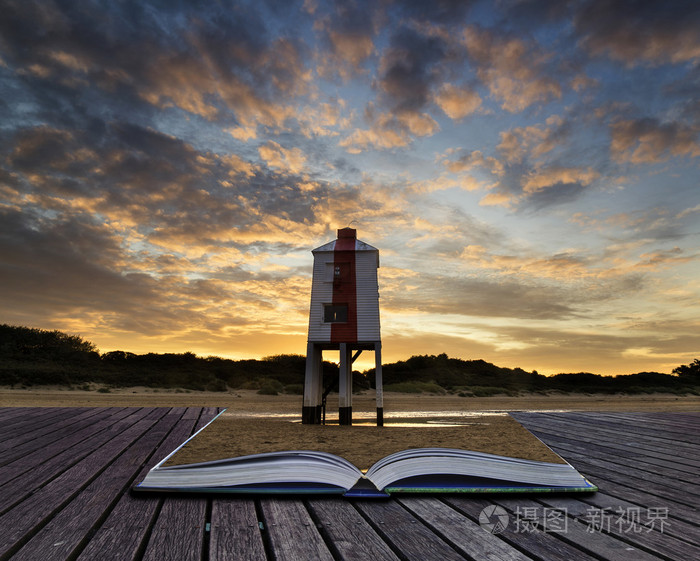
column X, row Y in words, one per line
column 527, row 169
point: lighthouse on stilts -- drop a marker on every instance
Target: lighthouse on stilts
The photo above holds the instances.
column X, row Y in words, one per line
column 344, row 316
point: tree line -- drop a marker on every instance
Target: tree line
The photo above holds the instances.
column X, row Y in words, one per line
column 30, row 357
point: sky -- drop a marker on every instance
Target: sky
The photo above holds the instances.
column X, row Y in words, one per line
column 528, row 170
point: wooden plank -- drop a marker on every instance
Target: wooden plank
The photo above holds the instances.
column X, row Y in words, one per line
column 57, row 444
column 677, row 424
column 291, row 532
column 635, row 495
column 405, row 533
column 63, row 535
column 109, row 524
column 677, row 527
column 621, row 436
column 613, row 478
column 178, row 533
column 349, row 535
column 619, row 456
column 650, row 462
column 643, row 424
column 612, row 432
column 22, row 521
column 661, row 486
column 235, row 531
column 33, row 437
column 205, row 416
column 33, row 424
column 10, row 415
column 626, row 529
column 468, row 537
column 32, row 415
column 552, row 430
column 44, row 438
column 123, row 534
column 519, row 533
column 600, row 545
column 25, row 484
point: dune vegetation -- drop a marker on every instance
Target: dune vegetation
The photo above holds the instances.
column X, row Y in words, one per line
column 36, row 357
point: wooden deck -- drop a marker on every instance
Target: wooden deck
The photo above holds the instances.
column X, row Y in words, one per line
column 65, row 475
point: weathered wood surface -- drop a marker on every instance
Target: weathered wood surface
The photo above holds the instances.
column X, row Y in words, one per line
column 66, row 475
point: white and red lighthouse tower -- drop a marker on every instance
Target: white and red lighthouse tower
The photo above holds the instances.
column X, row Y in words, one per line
column 344, row 316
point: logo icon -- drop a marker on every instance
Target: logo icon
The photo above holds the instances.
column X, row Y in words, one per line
column 493, row 519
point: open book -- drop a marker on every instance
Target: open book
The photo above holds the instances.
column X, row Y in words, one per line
column 413, row 470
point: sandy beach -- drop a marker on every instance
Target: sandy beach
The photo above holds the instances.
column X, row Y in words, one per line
column 256, row 423
column 249, row 403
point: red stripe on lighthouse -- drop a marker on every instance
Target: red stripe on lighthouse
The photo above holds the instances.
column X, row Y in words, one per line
column 345, row 286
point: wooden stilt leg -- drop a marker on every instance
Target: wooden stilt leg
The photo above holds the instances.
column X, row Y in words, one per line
column 345, row 386
column 379, row 383
column 310, row 412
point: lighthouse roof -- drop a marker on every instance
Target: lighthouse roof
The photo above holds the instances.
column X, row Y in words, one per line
column 347, row 241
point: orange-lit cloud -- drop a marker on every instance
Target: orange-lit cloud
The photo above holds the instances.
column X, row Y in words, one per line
column 291, row 160
column 548, row 177
column 534, row 141
column 457, row 102
column 512, row 70
column 649, row 141
column 390, row 131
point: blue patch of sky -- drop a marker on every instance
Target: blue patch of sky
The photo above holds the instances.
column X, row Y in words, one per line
column 18, row 105
column 640, row 86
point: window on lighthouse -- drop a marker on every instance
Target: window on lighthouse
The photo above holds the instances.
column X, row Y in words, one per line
column 335, row 313
column 337, row 272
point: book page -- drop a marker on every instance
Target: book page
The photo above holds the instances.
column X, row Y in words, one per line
column 230, row 436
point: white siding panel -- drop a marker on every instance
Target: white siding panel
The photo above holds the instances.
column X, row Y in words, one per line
column 367, row 296
column 321, row 293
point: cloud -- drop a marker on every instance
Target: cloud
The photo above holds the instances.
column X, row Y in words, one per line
column 348, row 32
column 640, row 32
column 408, row 69
column 161, row 187
column 469, row 161
column 324, row 119
column 651, row 141
column 172, row 164
column 528, row 171
column 535, row 141
column 689, row 211
column 498, row 199
column 456, row 102
column 66, row 265
column 291, row 160
column 437, row 294
column 514, row 71
column 216, row 63
column 439, row 11
column 552, row 177
column 390, row 131
column 663, row 258
column 567, row 266
column 376, row 137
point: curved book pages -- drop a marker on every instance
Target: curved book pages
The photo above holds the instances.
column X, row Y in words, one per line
column 424, row 470
column 414, row 470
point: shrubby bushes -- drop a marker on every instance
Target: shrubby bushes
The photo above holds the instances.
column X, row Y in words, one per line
column 38, row 357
